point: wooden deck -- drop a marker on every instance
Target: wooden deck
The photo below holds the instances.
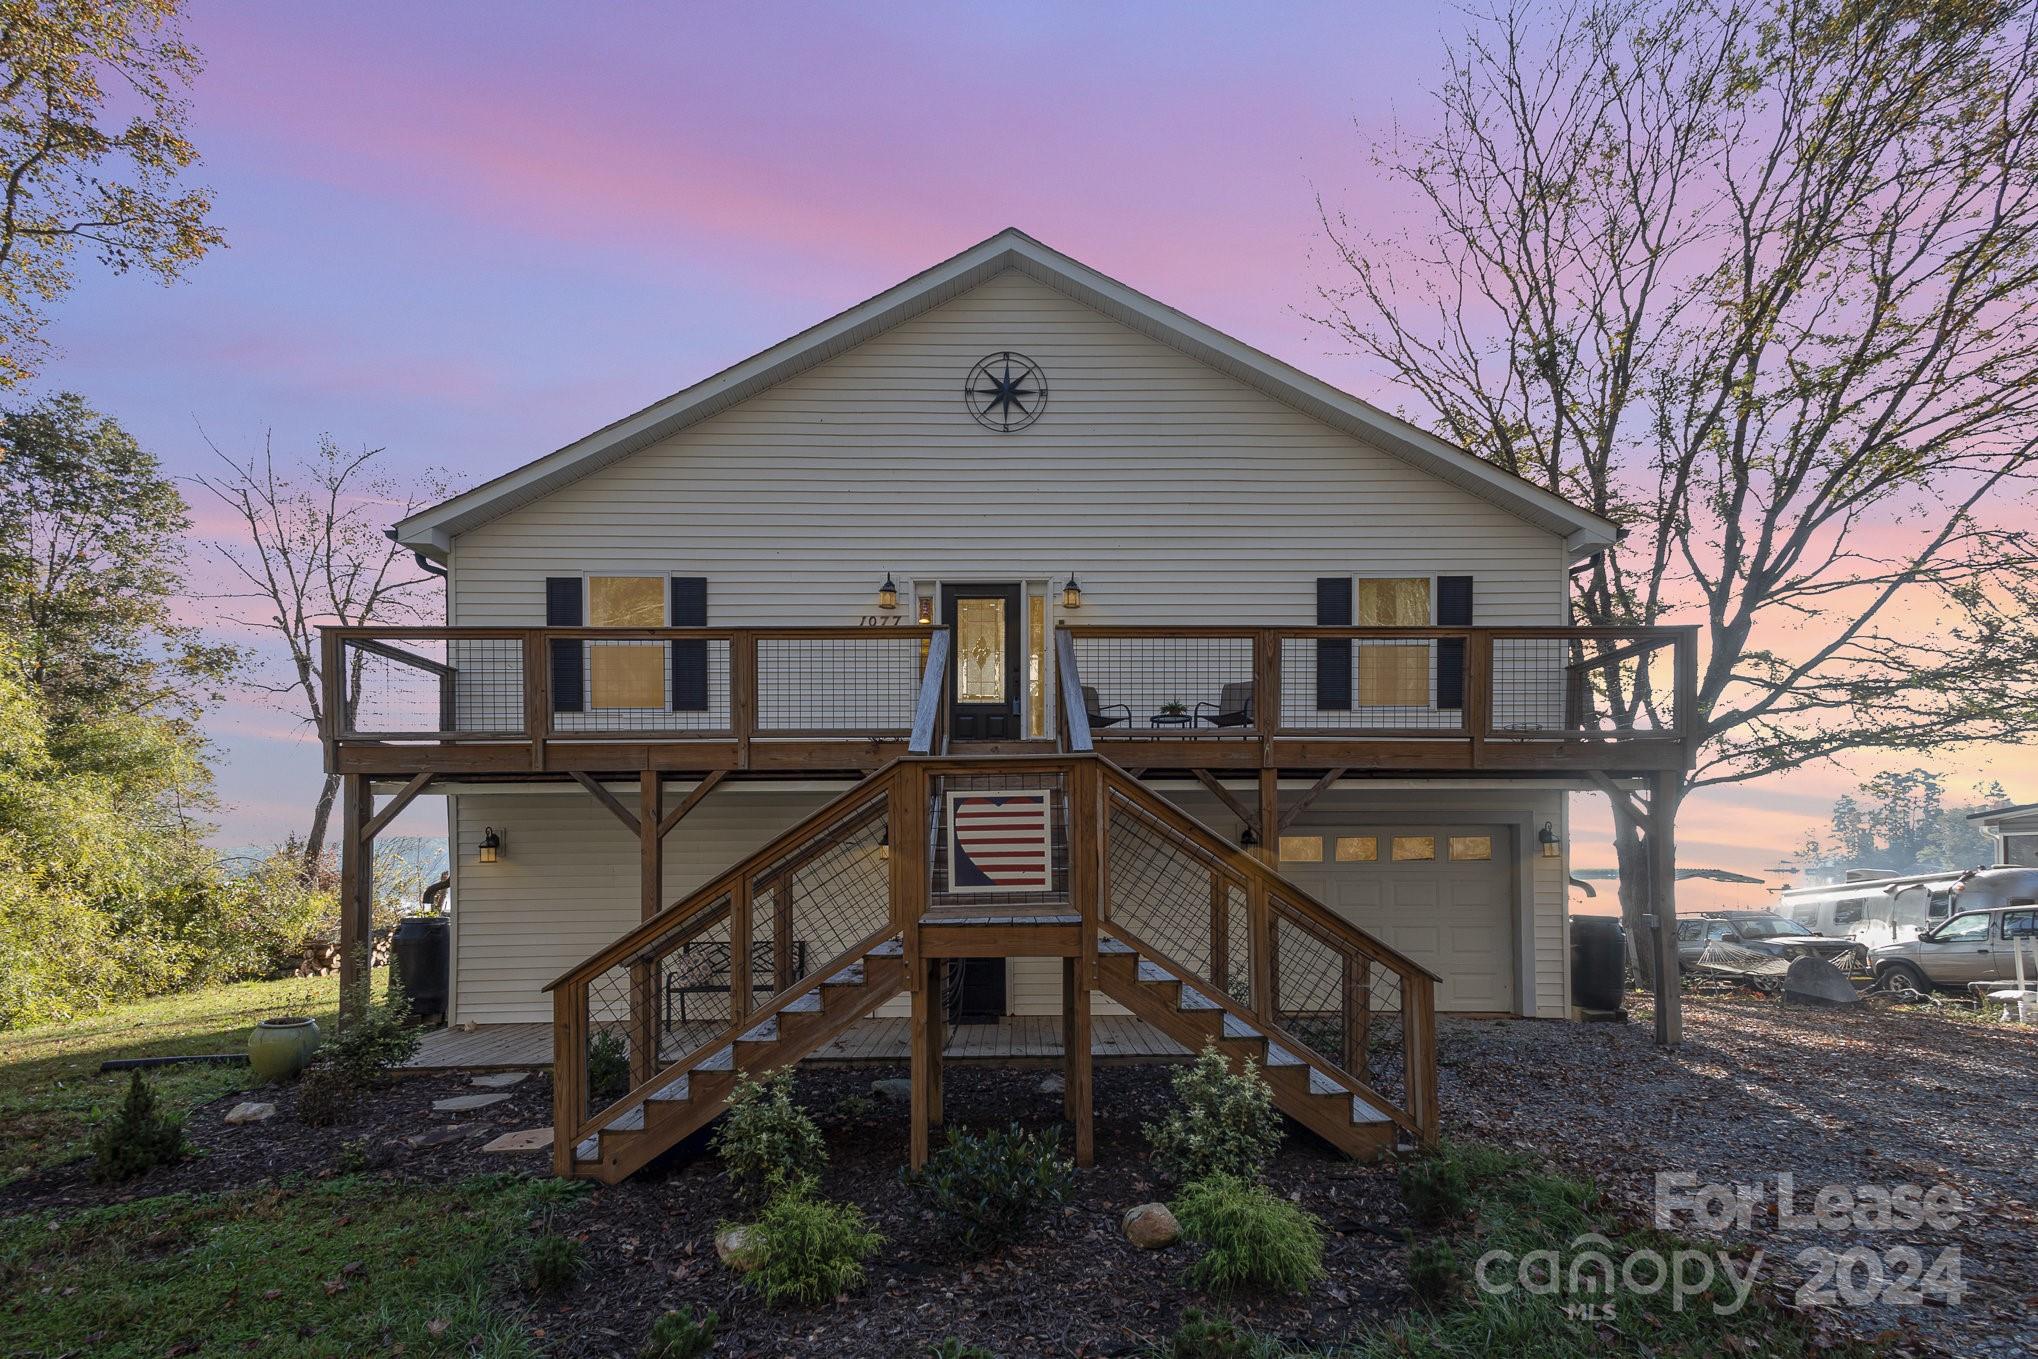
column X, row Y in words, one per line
column 1019, row 1038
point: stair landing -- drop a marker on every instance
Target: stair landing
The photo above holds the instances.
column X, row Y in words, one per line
column 878, row 1039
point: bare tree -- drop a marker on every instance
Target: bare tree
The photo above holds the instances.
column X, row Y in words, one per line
column 313, row 551
column 1755, row 279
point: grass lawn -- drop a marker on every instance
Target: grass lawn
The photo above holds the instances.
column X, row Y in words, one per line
column 344, row 1267
column 51, row 1091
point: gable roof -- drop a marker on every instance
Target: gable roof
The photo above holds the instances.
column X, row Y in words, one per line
column 431, row 530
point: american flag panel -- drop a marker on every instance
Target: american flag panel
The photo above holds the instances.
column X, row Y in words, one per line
column 999, row 842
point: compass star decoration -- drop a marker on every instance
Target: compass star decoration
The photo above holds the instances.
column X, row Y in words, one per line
column 1007, row 391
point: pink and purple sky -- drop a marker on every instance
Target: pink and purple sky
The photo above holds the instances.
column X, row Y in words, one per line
column 472, row 232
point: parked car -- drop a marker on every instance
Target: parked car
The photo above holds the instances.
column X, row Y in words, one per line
column 1975, row 946
column 1764, row 933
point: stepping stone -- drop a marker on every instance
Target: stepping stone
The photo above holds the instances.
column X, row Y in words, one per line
column 500, row 1080
column 250, row 1111
column 465, row 1104
column 525, row 1139
column 436, row 1137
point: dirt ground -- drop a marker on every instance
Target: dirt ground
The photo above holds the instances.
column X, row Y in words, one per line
column 1759, row 1090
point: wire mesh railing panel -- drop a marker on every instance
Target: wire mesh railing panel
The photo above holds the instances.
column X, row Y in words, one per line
column 998, row 842
column 639, row 685
column 1568, row 686
column 1192, row 685
column 847, row 684
column 1171, row 896
column 675, row 991
column 425, row 687
column 1347, row 684
column 1309, row 989
column 812, row 904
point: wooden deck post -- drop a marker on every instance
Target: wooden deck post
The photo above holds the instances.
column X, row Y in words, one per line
column 925, row 1057
column 357, row 895
column 651, row 888
column 1270, row 817
column 1077, row 1098
column 1663, row 901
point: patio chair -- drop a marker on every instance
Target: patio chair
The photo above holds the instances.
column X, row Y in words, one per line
column 1233, row 708
column 1100, row 713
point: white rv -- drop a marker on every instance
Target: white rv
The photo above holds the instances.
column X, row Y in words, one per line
column 1873, row 910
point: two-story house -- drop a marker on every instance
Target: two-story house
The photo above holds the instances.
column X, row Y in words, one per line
column 1129, row 637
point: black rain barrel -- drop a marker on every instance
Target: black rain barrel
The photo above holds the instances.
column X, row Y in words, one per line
column 423, row 955
column 1599, row 962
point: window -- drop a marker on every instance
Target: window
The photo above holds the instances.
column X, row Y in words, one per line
column 1468, row 847
column 1849, row 912
column 1963, row 929
column 1408, row 848
column 1690, row 931
column 1718, row 929
column 1036, row 665
column 2020, row 925
column 626, row 674
column 1394, row 674
column 1358, row 849
column 1939, row 905
column 1302, row 849
column 980, row 650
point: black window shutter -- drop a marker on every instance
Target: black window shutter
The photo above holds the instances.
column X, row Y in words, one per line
column 1454, row 610
column 1334, row 659
column 689, row 659
column 563, row 610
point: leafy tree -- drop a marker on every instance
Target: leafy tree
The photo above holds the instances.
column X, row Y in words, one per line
column 1901, row 824
column 1757, row 280
column 92, row 148
column 91, row 564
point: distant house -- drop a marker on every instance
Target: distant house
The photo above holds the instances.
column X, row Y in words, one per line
column 2014, row 830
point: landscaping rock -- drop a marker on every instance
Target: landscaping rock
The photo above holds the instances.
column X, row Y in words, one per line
column 250, row 1111
column 1814, row 981
column 1052, row 1084
column 739, row 1249
column 897, row 1091
column 436, row 1137
column 500, row 1080
column 465, row 1104
column 1150, row 1226
column 524, row 1139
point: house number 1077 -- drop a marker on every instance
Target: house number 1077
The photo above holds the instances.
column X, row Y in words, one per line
column 880, row 620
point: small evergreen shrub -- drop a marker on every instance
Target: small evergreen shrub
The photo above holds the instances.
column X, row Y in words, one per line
column 1434, row 1272
column 682, row 1335
column 856, row 1108
column 1203, row 1336
column 364, row 1049
column 553, row 1264
column 1226, row 1123
column 766, row 1135
column 137, row 1139
column 989, row 1184
column 608, row 1067
column 1255, row 1238
column 813, row 1249
column 1437, row 1190
column 951, row 1348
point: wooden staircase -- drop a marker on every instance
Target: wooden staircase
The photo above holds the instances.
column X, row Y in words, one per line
column 687, row 1094
column 1195, row 1015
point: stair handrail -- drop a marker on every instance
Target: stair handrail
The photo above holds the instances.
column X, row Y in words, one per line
column 930, row 712
column 1069, row 679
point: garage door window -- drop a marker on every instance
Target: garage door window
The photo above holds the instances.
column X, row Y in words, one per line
column 1408, row 848
column 1302, row 849
column 1358, row 849
column 1469, row 847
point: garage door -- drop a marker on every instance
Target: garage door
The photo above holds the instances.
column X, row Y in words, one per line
column 1444, row 895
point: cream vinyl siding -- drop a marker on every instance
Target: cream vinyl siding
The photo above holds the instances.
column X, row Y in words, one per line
column 1176, row 493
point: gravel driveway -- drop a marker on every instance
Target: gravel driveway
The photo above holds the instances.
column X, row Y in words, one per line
column 1759, row 1090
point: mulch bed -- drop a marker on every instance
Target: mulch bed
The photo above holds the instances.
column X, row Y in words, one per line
column 1074, row 1286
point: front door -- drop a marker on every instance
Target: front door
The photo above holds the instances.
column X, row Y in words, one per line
column 984, row 687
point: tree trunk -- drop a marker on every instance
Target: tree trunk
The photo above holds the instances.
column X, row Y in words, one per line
column 321, row 817
column 1631, row 851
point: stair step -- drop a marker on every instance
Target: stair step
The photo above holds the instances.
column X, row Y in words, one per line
column 1114, row 946
column 1192, row 999
column 1152, row 972
column 588, row 1150
column 808, row 1004
column 890, row 948
column 765, row 1032
column 851, row 975
column 1320, row 1084
column 1234, row 1027
column 1280, row 1056
column 724, row 1060
column 631, row 1120
column 674, row 1090
column 1363, row 1112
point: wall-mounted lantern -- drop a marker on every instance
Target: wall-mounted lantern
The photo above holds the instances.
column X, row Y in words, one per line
column 490, row 847
column 1547, row 838
column 1246, row 838
column 888, row 593
column 884, row 845
column 1072, row 593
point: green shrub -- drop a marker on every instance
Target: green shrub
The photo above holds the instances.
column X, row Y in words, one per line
column 361, row 1055
column 137, row 1139
column 951, row 1348
column 553, row 1264
column 856, row 1108
column 989, row 1184
column 1434, row 1271
column 608, row 1067
column 813, row 1249
column 1203, row 1336
column 765, row 1135
column 1436, row 1190
column 681, row 1335
column 1256, row 1239
column 1226, row 1123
